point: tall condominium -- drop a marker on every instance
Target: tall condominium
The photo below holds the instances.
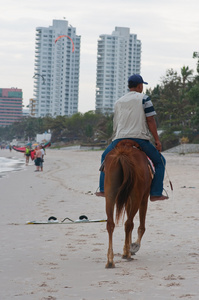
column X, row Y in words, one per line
column 56, row 72
column 118, row 57
column 10, row 106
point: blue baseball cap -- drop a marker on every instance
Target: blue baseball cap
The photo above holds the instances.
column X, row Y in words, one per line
column 136, row 79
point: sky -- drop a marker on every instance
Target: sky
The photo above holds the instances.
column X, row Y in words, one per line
column 168, row 30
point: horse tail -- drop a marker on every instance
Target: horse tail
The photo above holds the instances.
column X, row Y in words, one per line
column 131, row 174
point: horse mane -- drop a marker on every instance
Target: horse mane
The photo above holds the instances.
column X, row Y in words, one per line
column 131, row 173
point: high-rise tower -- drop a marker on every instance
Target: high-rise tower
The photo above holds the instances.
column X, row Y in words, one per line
column 56, row 72
column 118, row 57
column 10, row 106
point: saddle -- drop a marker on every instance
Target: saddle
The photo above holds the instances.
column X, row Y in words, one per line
column 130, row 143
column 134, row 144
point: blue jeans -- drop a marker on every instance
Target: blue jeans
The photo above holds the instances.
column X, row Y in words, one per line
column 157, row 159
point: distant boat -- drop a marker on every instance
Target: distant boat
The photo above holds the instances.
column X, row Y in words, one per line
column 23, row 149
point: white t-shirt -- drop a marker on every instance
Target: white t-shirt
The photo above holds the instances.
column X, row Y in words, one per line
column 43, row 152
column 130, row 116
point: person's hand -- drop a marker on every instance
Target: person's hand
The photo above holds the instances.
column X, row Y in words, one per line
column 158, row 146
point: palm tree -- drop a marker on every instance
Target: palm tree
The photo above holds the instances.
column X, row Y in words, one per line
column 196, row 55
column 186, row 73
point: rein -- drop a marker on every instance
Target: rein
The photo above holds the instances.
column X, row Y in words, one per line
column 171, row 185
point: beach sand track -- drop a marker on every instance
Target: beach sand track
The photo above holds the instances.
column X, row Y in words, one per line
column 68, row 261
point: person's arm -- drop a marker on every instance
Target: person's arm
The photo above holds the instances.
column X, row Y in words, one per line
column 153, row 129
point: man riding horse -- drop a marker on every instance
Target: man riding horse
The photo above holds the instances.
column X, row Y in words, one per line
column 134, row 119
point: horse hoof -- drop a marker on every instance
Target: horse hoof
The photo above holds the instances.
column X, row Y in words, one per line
column 110, row 265
column 134, row 248
column 127, row 257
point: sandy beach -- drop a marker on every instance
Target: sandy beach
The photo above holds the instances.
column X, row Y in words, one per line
column 67, row 261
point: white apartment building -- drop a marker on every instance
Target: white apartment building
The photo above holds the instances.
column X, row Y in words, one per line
column 56, row 71
column 118, row 57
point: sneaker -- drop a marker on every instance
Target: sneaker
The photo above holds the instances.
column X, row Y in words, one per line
column 100, row 194
column 157, row 198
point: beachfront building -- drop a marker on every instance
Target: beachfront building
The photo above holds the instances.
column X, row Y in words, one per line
column 118, row 57
column 10, row 105
column 26, row 112
column 56, row 72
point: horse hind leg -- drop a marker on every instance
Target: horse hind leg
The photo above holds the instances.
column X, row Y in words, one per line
column 141, row 229
column 128, row 232
column 110, row 254
column 112, row 182
column 110, row 228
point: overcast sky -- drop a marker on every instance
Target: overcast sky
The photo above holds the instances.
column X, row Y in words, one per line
column 168, row 30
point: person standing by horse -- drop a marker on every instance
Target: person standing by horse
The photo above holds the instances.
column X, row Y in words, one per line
column 134, row 119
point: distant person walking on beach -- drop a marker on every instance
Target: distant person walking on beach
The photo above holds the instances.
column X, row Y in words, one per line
column 38, row 158
column 42, row 158
column 27, row 155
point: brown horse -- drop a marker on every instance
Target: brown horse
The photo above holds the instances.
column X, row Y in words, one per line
column 127, row 185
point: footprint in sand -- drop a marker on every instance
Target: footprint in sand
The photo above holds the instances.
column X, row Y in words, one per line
column 43, row 285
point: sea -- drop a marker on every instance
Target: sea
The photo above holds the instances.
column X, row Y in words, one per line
column 10, row 164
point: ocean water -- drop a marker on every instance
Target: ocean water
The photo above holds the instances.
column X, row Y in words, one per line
column 10, row 164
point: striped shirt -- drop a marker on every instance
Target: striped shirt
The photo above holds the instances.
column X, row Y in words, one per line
column 148, row 106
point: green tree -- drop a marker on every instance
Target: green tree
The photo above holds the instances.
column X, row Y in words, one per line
column 186, row 73
column 196, row 55
column 166, row 99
